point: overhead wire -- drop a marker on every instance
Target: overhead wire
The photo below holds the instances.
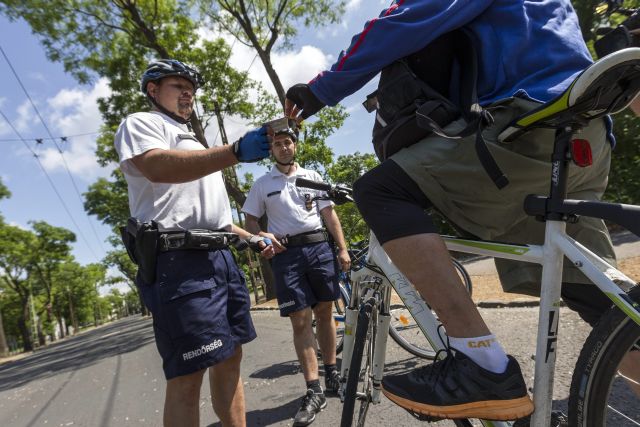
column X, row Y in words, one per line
column 63, row 138
column 55, row 190
column 64, row 161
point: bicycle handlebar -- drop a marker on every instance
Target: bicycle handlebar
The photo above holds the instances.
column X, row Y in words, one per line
column 335, row 193
column 314, row 185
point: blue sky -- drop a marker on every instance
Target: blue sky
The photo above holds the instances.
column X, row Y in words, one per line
column 70, row 109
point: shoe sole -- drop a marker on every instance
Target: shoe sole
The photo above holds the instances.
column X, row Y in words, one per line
column 498, row 410
column 312, row 419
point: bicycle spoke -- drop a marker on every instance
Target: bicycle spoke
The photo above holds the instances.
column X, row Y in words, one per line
column 623, row 415
column 623, row 404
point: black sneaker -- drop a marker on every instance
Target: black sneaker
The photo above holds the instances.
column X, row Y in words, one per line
column 312, row 403
column 456, row 387
column 332, row 381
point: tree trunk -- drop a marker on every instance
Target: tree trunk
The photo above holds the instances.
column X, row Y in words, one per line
column 61, row 327
column 22, row 326
column 72, row 314
column 42, row 340
column 143, row 308
column 271, row 72
column 4, row 347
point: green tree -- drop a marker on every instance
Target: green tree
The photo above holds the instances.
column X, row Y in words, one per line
column 15, row 263
column 624, row 185
column 265, row 25
column 77, row 294
column 52, row 248
column 4, row 191
column 345, row 171
column 115, row 40
column 4, row 348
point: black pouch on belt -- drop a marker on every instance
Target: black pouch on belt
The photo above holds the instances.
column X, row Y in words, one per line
column 147, row 251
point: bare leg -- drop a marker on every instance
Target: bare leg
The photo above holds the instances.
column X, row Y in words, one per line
column 629, row 368
column 425, row 261
column 326, row 331
column 305, row 343
column 181, row 402
column 227, row 393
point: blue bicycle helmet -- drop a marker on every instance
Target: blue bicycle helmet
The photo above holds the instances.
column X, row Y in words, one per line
column 161, row 68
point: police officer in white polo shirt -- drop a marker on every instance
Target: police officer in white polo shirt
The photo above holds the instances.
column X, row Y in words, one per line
column 183, row 227
column 304, row 265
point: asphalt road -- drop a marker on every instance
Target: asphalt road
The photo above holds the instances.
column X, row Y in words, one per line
column 112, row 376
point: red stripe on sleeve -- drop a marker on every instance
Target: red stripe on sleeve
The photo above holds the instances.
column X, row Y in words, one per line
column 364, row 33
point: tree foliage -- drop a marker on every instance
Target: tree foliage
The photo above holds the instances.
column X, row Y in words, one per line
column 264, row 25
column 624, row 185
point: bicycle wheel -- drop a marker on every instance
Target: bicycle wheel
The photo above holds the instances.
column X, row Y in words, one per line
column 605, row 388
column 359, row 379
column 339, row 307
column 405, row 331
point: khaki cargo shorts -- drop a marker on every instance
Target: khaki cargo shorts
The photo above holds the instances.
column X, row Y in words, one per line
column 449, row 173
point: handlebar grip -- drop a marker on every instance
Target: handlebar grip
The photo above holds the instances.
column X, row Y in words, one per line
column 315, row 185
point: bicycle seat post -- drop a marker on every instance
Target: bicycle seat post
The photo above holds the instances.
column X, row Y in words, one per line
column 559, row 171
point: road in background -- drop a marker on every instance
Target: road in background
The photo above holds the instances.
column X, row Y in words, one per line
column 112, row 376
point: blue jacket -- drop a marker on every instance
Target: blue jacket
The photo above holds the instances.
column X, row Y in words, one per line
column 530, row 45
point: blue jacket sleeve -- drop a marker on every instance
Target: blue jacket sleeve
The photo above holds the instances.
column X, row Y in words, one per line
column 404, row 28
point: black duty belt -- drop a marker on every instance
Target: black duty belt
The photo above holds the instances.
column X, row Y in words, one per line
column 315, row 236
column 198, row 239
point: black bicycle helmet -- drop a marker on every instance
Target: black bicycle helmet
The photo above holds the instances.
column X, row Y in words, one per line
column 161, row 68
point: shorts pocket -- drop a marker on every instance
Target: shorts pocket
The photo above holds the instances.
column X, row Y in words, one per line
column 187, row 289
column 184, row 273
column 325, row 258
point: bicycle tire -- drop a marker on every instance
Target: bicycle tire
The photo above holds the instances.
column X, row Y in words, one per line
column 597, row 388
column 406, row 332
column 340, row 306
column 364, row 327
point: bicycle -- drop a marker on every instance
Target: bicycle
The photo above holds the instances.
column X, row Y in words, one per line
column 403, row 328
column 598, row 393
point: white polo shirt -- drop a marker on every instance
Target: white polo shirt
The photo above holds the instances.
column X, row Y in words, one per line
column 202, row 203
column 276, row 195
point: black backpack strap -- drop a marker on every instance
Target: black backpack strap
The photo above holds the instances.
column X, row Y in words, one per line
column 475, row 116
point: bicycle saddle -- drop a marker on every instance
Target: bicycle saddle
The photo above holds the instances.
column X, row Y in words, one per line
column 605, row 87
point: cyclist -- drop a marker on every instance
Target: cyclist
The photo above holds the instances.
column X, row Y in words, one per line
column 304, row 265
column 176, row 182
column 528, row 53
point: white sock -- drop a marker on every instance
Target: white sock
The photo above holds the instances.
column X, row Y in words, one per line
column 485, row 351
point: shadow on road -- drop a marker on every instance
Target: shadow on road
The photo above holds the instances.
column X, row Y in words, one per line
column 265, row 417
column 278, row 370
column 77, row 352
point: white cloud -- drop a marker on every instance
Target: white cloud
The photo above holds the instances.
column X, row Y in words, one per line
column 27, row 118
column 72, row 112
column 353, row 5
column 292, row 67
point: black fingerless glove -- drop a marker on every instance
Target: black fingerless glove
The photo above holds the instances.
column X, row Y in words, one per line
column 304, row 99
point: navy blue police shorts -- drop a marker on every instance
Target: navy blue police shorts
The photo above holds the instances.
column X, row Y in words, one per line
column 304, row 276
column 200, row 305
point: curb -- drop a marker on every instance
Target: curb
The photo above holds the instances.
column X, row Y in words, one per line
column 481, row 304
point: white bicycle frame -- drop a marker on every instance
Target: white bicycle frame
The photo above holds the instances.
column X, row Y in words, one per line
column 550, row 255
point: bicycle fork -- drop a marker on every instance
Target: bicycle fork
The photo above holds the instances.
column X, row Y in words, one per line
column 383, row 320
